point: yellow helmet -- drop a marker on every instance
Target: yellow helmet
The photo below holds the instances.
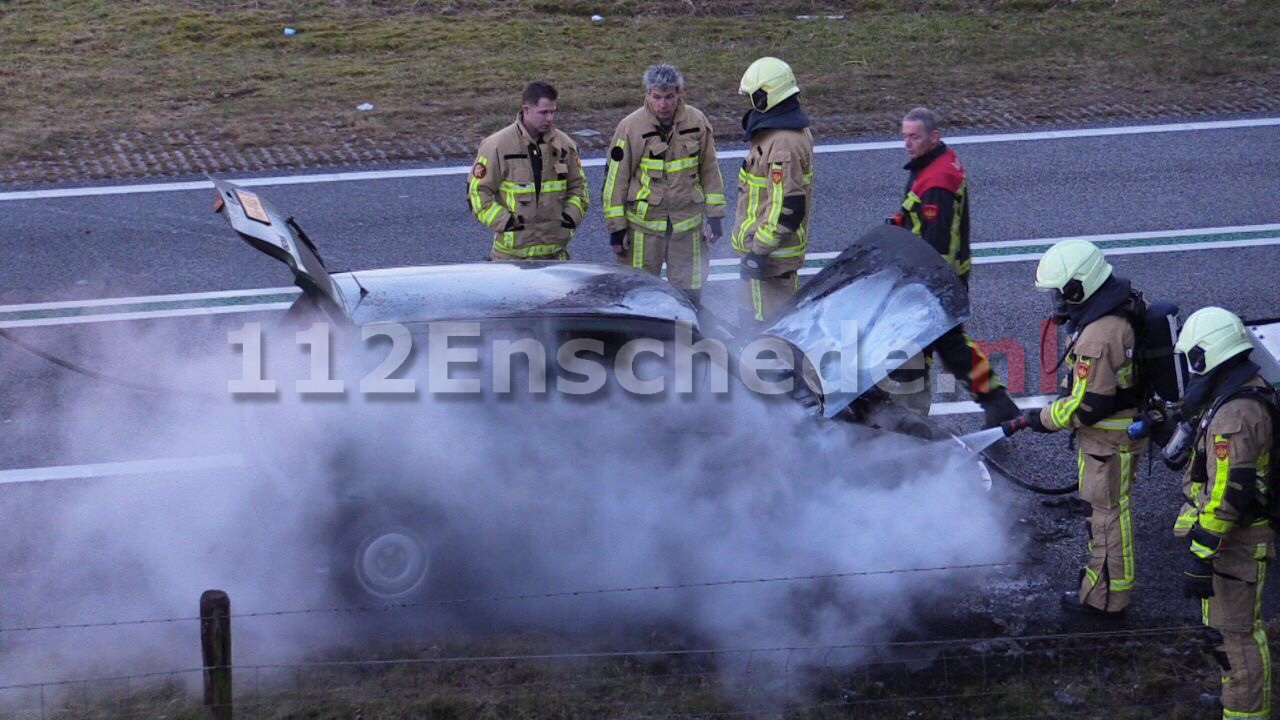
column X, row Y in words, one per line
column 1210, row 337
column 1075, row 268
column 768, row 81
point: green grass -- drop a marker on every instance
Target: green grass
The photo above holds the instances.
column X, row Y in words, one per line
column 94, row 70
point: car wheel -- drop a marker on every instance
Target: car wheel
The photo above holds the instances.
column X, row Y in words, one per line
column 384, row 560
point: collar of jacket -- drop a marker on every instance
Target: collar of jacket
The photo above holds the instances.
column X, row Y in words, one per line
column 1218, row 382
column 916, row 163
column 786, row 115
column 676, row 117
column 1113, row 293
column 528, row 139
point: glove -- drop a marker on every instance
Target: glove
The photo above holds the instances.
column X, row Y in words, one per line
column 567, row 222
column 515, row 223
column 752, row 267
column 717, row 229
column 618, row 239
column 1028, row 419
column 1011, row 427
column 1197, row 578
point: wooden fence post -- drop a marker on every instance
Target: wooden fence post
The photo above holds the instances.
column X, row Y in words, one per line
column 215, row 645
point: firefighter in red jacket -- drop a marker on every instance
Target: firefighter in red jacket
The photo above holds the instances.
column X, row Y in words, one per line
column 936, row 207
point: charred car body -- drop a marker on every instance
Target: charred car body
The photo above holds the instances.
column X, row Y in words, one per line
column 828, row 359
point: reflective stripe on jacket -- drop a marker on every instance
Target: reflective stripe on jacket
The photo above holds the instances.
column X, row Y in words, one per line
column 654, row 177
column 1099, row 365
column 503, row 184
column 1238, row 438
column 936, row 205
column 778, row 166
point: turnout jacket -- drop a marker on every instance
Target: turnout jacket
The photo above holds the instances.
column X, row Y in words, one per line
column 935, row 206
column 1100, row 367
column 775, row 197
column 656, row 176
column 522, row 188
column 1222, row 478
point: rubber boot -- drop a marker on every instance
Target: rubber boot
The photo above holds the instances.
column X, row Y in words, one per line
column 997, row 407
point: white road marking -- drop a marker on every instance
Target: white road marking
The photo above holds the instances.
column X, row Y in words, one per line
column 597, row 162
column 72, row 312
column 121, row 468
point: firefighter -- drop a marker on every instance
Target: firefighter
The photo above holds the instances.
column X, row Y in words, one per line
column 775, row 189
column 1097, row 400
column 662, row 181
column 1225, row 518
column 935, row 206
column 527, row 183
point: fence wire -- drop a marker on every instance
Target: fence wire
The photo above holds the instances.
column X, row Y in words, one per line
column 1129, row 673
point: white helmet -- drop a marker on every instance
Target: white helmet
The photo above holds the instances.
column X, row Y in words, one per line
column 768, row 81
column 1075, row 268
column 1210, row 337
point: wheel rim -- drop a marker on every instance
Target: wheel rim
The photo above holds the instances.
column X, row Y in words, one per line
column 392, row 563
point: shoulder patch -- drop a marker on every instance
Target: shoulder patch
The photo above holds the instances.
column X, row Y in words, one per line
column 930, row 212
column 776, row 175
column 1082, row 369
column 616, row 154
column 478, row 171
column 1221, row 449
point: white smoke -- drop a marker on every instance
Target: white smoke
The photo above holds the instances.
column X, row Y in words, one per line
column 758, row 525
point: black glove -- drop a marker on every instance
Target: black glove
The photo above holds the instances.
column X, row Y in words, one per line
column 716, row 227
column 752, row 267
column 515, row 223
column 617, row 238
column 1011, row 427
column 1197, row 578
column 567, row 222
column 1028, row 419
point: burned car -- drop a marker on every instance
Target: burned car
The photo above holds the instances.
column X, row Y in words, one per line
column 600, row 335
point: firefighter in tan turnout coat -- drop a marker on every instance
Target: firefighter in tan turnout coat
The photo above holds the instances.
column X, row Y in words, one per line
column 775, row 189
column 662, row 182
column 1097, row 400
column 1227, row 489
column 527, row 183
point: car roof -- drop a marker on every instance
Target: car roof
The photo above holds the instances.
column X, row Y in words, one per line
column 477, row 291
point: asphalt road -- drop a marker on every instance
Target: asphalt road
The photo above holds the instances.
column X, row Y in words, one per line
column 82, row 247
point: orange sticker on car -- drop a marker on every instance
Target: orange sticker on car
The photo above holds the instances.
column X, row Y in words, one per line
column 776, row 175
column 478, row 170
column 1082, row 370
column 930, row 212
column 1220, row 449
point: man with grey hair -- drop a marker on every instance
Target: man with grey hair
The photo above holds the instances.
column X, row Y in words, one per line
column 663, row 193
column 935, row 206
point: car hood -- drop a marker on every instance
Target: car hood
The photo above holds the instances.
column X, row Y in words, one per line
column 870, row 310
column 464, row 291
column 477, row 291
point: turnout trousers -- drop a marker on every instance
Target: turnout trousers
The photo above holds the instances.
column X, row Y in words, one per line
column 1107, row 464
column 1236, row 633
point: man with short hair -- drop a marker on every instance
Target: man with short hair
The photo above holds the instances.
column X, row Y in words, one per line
column 527, row 183
column 663, row 194
column 936, row 207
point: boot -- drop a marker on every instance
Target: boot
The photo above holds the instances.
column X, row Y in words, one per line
column 997, row 407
